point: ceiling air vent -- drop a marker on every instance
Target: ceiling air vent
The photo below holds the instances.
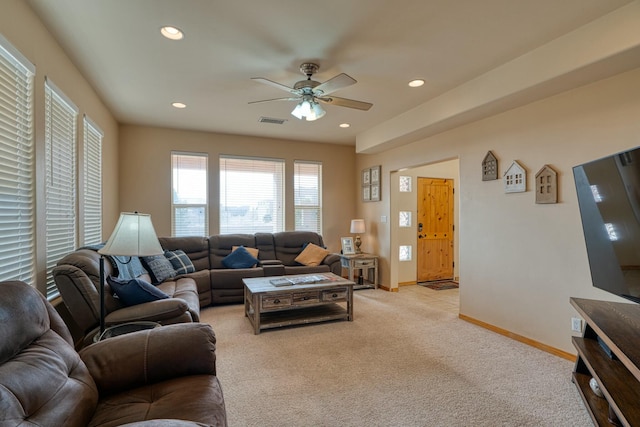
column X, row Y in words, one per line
column 272, row 120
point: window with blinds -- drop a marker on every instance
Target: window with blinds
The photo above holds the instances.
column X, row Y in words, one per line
column 17, row 228
column 60, row 157
column 92, row 191
column 189, row 200
column 307, row 183
column 251, row 195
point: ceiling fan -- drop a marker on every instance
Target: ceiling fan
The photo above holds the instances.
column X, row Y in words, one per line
column 308, row 92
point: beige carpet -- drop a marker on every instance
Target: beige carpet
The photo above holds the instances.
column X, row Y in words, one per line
column 399, row 363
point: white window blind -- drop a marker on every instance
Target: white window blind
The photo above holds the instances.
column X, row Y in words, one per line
column 92, row 191
column 251, row 195
column 17, row 254
column 307, row 182
column 60, row 157
column 189, row 201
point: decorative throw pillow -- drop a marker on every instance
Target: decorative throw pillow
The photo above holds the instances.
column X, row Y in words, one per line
column 159, row 268
column 180, row 261
column 312, row 255
column 240, row 258
column 253, row 251
column 135, row 291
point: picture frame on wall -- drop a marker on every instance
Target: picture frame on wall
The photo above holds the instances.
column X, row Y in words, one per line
column 366, row 193
column 366, row 176
column 375, row 193
column 347, row 246
column 375, row 175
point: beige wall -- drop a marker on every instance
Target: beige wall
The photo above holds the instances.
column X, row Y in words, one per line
column 25, row 32
column 145, row 174
column 519, row 261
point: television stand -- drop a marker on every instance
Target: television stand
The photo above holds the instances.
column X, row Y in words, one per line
column 617, row 371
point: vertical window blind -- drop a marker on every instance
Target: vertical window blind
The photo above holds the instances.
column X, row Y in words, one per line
column 307, row 182
column 92, row 191
column 189, row 200
column 251, row 195
column 60, row 157
column 17, row 228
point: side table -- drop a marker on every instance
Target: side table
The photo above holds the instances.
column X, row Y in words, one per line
column 124, row 328
column 361, row 262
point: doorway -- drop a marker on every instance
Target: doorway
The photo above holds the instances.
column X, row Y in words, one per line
column 405, row 246
column 435, row 227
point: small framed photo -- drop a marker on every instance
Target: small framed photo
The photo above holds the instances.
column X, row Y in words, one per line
column 366, row 176
column 375, row 193
column 375, row 175
column 366, row 193
column 347, row 246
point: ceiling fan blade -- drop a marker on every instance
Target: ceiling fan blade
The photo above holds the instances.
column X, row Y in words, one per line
column 344, row 102
column 275, row 99
column 275, row 84
column 335, row 83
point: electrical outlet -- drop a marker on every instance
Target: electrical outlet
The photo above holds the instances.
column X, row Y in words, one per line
column 576, row 324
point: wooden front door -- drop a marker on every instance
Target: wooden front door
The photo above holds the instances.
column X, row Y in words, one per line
column 435, row 229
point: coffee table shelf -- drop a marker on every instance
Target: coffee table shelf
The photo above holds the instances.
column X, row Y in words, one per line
column 268, row 306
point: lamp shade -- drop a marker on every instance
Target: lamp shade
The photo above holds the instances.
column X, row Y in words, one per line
column 357, row 226
column 308, row 109
column 133, row 236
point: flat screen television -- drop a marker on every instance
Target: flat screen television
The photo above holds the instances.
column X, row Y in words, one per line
column 609, row 199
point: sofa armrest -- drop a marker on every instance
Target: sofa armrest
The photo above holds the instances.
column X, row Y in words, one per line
column 146, row 357
column 154, row 311
column 331, row 258
column 264, row 262
column 272, row 267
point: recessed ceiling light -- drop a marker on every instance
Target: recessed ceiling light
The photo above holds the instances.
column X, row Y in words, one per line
column 344, row 125
column 172, row 33
column 179, row 105
column 416, row 83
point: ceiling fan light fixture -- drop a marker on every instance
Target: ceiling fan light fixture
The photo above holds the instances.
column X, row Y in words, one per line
column 308, row 110
column 318, row 110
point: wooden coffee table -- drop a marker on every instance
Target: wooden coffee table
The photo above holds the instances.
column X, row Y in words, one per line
column 307, row 298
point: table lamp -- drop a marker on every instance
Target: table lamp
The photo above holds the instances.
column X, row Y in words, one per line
column 133, row 236
column 357, row 226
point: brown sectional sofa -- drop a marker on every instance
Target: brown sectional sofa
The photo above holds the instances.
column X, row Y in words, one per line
column 77, row 277
column 277, row 253
column 141, row 377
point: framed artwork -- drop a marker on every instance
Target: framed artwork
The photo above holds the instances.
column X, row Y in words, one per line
column 347, row 246
column 375, row 175
column 366, row 193
column 375, row 193
column 366, row 176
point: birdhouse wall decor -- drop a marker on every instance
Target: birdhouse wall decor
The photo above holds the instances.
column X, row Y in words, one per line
column 546, row 185
column 489, row 167
column 515, row 179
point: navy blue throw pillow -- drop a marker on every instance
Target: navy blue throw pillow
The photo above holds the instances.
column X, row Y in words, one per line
column 240, row 258
column 135, row 291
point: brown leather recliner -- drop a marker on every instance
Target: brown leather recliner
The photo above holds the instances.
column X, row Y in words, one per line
column 77, row 277
column 161, row 373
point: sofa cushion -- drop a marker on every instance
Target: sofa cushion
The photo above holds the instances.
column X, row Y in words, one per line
column 312, row 255
column 240, row 258
column 180, row 261
column 135, row 291
column 159, row 267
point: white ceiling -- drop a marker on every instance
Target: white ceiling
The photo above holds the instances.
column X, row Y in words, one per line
column 382, row 44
